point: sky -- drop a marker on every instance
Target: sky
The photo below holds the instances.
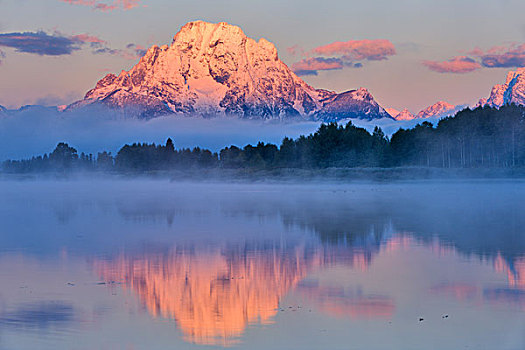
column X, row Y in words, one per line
column 408, row 53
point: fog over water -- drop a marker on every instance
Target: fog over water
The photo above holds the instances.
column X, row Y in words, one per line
column 148, row 264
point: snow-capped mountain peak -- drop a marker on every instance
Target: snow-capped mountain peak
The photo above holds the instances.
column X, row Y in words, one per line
column 404, row 115
column 392, row 111
column 214, row 69
column 438, row 109
column 513, row 91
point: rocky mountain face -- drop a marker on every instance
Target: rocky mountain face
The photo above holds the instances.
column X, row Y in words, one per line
column 513, row 91
column 403, row 115
column 357, row 104
column 216, row 70
column 438, row 109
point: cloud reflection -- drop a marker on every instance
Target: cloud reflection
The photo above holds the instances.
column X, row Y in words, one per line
column 38, row 315
column 341, row 302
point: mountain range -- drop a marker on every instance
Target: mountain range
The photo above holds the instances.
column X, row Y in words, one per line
column 438, row 109
column 512, row 92
column 215, row 69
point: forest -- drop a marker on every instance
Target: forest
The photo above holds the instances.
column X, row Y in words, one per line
column 481, row 138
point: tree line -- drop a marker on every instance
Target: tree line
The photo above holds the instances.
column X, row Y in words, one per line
column 481, row 138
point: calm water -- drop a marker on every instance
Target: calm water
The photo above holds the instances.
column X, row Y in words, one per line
column 158, row 265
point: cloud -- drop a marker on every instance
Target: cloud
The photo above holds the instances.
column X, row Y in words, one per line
column 35, row 131
column 502, row 56
column 136, row 50
column 85, row 38
column 40, row 43
column 55, row 100
column 343, row 54
column 458, row 64
column 57, row 44
column 38, row 315
column 295, row 50
column 131, row 52
column 105, row 5
column 310, row 66
column 372, row 50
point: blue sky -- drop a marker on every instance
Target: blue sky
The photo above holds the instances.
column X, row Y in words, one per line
column 453, row 50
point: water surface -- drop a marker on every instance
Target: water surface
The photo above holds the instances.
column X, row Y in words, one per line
column 138, row 264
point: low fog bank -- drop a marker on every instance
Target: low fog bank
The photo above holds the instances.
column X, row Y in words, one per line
column 389, row 126
column 37, row 130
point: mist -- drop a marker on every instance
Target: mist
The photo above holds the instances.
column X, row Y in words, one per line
column 37, row 130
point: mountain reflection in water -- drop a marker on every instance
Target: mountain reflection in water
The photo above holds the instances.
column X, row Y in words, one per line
column 262, row 266
column 214, row 294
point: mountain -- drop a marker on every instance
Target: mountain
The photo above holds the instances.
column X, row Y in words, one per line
column 403, row 115
column 438, row 109
column 215, row 69
column 3, row 110
column 513, row 91
column 392, row 112
column 357, row 104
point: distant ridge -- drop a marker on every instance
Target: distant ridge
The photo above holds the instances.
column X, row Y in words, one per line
column 438, row 109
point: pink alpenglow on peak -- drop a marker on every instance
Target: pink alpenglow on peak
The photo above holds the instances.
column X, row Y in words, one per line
column 512, row 92
column 392, row 111
column 405, row 115
column 214, row 69
column 438, row 109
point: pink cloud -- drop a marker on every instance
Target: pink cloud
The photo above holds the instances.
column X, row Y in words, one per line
column 104, row 5
column 86, row 38
column 503, row 56
column 459, row 64
column 295, row 50
column 373, row 50
column 310, row 66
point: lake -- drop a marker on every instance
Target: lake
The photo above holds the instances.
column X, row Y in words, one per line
column 153, row 264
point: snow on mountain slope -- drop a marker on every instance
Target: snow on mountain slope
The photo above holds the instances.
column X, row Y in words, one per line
column 354, row 104
column 392, row 112
column 438, row 109
column 215, row 69
column 404, row 115
column 513, row 91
